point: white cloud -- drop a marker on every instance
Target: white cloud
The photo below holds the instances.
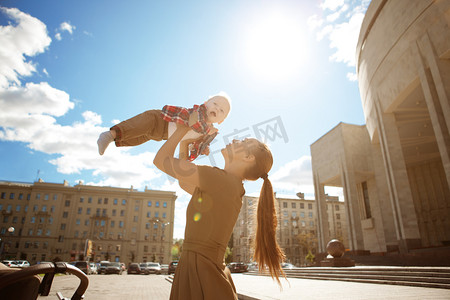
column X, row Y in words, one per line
column 58, row 36
column 295, row 176
column 30, row 38
column 344, row 38
column 331, row 4
column 66, row 26
column 352, row 76
column 342, row 31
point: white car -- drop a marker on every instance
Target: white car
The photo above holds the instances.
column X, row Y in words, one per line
column 22, row 263
column 10, row 263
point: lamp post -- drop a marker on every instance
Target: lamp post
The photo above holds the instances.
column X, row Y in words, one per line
column 2, row 242
column 159, row 224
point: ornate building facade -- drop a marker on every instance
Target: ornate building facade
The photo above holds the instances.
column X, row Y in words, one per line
column 395, row 169
column 60, row 222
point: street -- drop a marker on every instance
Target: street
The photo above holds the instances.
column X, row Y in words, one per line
column 103, row 287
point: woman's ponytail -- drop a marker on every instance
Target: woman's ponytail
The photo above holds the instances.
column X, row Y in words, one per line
column 267, row 251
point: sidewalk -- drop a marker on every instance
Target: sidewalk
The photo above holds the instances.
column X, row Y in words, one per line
column 250, row 287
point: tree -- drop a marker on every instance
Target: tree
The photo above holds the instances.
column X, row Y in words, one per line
column 177, row 248
column 228, row 255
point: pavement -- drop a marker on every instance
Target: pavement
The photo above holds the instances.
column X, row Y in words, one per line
column 249, row 287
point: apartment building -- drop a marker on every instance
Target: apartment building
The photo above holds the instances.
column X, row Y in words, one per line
column 297, row 227
column 48, row 221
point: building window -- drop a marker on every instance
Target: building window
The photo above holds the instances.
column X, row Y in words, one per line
column 67, row 203
column 149, row 203
column 52, row 209
column 99, row 200
column 104, row 212
column 336, row 207
column 114, row 212
column 105, row 201
column 310, row 214
column 293, row 205
column 17, row 208
column 44, row 208
column 285, row 205
column 365, row 192
column 78, row 221
column 86, row 222
column 88, row 211
column 11, row 196
column 149, row 214
column 35, row 208
column 3, row 195
column 338, row 216
column 164, row 215
column 90, row 200
column 33, row 220
column 309, row 206
column 157, row 204
column 50, row 220
column 136, row 208
column 112, row 224
column 122, row 213
column 121, row 224
column 164, row 204
column 80, row 210
column 63, row 226
column 38, row 196
column 124, row 201
column 156, row 214
column 65, row 214
column 61, row 239
column 55, row 197
column 115, row 201
column 20, row 196
column 135, row 218
column 46, row 197
column 302, row 214
column 302, row 205
column 303, row 224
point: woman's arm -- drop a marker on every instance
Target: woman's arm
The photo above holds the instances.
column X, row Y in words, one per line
column 181, row 169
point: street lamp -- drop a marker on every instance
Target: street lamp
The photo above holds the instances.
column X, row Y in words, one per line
column 2, row 242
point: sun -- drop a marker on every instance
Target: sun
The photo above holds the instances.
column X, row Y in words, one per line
column 274, row 46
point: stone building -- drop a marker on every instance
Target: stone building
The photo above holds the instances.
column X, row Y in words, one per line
column 296, row 230
column 395, row 170
column 60, row 222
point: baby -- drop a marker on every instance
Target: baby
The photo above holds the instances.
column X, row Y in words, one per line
column 161, row 124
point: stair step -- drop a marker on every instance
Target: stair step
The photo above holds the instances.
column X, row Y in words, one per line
column 435, row 277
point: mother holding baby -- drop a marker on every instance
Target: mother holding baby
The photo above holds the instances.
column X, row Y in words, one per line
column 212, row 213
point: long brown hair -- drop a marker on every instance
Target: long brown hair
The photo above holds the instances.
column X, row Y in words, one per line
column 267, row 251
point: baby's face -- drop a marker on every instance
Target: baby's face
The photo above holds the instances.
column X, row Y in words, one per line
column 217, row 109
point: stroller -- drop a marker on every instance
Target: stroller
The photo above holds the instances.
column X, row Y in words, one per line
column 25, row 284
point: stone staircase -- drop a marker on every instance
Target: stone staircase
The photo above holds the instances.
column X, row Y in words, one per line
column 433, row 277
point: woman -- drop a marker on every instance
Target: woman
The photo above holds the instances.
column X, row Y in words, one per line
column 212, row 212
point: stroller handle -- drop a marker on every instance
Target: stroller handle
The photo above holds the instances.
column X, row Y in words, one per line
column 49, row 269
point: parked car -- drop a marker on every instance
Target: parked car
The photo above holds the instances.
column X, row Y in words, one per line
column 154, row 268
column 94, row 268
column 144, row 268
column 114, row 268
column 134, row 268
column 10, row 263
column 236, row 267
column 252, row 266
column 83, row 266
column 173, row 266
column 102, row 268
column 22, row 263
column 287, row 266
column 164, row 269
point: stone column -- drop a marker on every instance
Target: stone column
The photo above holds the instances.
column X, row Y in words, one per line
column 434, row 74
column 352, row 209
column 323, row 235
column 406, row 225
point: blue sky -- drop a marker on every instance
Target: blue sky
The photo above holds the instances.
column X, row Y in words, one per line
column 71, row 69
